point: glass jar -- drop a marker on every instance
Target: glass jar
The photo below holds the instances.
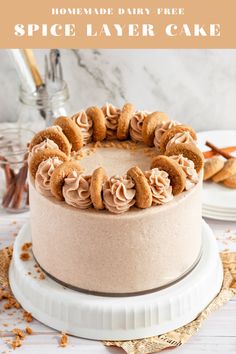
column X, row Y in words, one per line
column 39, row 109
column 13, row 169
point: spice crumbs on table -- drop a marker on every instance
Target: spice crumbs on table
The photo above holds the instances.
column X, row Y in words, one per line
column 63, row 340
column 24, row 256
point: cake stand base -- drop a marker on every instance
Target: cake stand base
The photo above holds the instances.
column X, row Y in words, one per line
column 116, row 318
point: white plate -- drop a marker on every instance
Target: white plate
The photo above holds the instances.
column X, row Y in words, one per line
column 218, row 216
column 220, row 211
column 216, row 195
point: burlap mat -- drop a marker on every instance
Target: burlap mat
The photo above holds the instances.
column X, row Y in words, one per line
column 168, row 340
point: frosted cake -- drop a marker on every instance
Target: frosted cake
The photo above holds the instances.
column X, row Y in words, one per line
column 115, row 197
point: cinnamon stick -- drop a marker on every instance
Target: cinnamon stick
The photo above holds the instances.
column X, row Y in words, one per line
column 8, row 195
column 9, row 173
column 211, row 153
column 19, row 188
column 219, row 151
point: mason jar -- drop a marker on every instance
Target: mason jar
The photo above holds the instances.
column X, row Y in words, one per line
column 39, row 109
column 14, row 189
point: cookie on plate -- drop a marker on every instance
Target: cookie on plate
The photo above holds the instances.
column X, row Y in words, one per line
column 227, row 171
column 212, row 166
column 230, row 182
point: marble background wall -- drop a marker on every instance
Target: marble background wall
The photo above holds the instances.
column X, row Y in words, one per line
column 197, row 87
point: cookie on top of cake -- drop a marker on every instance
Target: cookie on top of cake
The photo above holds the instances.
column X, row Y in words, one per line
column 56, row 171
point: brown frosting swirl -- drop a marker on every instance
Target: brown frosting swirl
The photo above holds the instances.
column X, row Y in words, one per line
column 136, row 125
column 187, row 165
column 160, row 186
column 86, row 125
column 46, row 144
column 184, row 137
column 161, row 129
column 118, row 194
column 43, row 175
column 76, row 190
column 112, row 115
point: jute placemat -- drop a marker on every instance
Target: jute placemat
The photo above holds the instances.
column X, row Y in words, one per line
column 168, row 340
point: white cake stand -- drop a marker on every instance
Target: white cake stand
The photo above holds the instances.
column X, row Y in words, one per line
column 117, row 318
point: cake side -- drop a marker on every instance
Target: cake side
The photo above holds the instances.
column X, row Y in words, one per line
column 132, row 252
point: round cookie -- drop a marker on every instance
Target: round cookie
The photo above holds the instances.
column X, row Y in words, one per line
column 169, row 134
column 43, row 155
column 212, row 166
column 58, row 176
column 97, row 180
column 99, row 123
column 175, row 172
column 191, row 151
column 127, row 113
column 143, row 191
column 71, row 131
column 54, row 133
column 149, row 126
column 226, row 172
column 230, row 182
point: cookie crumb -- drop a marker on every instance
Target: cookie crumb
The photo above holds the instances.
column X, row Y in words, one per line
column 63, row 340
column 26, row 246
column 18, row 332
column 28, row 330
column 27, row 316
column 42, row 276
column 16, row 343
column 24, row 256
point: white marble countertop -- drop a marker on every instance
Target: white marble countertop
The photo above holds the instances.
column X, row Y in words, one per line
column 218, row 334
column 196, row 87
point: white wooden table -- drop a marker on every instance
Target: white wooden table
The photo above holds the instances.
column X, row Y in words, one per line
column 218, row 334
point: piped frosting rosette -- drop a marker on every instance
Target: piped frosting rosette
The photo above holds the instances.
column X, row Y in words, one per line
column 57, row 174
column 112, row 115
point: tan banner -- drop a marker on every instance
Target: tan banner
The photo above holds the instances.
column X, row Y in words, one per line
column 118, row 24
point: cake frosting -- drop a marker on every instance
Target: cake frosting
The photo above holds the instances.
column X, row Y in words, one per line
column 184, row 137
column 85, row 124
column 160, row 186
column 136, row 251
column 161, row 129
column 112, row 115
column 43, row 175
column 45, row 144
column 188, row 167
column 118, row 194
column 76, row 190
column 136, row 125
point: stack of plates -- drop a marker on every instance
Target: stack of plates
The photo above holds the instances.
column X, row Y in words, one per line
column 219, row 202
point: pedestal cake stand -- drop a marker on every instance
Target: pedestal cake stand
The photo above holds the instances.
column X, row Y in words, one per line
column 117, row 318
